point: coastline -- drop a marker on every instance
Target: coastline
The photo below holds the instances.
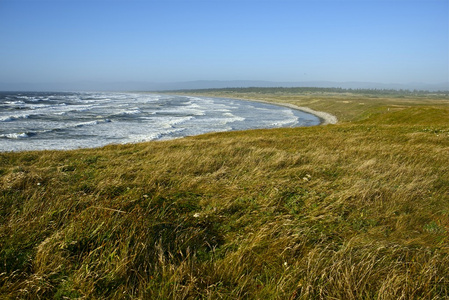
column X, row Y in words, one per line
column 326, row 118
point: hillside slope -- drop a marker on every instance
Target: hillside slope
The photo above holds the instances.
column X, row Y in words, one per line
column 353, row 210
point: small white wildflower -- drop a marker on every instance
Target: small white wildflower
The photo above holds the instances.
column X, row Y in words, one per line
column 196, row 215
column 285, row 264
column 38, row 183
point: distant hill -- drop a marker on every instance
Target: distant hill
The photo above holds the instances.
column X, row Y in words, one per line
column 207, row 84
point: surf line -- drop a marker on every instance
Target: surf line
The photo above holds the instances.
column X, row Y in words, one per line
column 326, row 118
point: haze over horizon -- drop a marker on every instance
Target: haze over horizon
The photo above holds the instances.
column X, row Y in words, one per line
column 62, row 43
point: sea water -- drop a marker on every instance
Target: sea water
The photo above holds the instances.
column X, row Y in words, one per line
column 43, row 120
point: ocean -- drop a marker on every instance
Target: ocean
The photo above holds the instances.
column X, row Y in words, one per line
column 48, row 120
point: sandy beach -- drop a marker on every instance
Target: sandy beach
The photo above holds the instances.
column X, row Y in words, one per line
column 324, row 116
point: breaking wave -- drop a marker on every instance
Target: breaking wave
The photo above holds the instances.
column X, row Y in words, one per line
column 35, row 121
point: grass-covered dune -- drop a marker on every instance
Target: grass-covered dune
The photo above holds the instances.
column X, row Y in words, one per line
column 356, row 210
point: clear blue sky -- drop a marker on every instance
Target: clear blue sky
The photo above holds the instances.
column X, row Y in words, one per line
column 387, row 41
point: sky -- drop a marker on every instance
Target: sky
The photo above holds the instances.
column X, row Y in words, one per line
column 386, row 41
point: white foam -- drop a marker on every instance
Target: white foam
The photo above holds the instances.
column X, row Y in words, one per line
column 78, row 120
column 59, row 109
column 192, row 108
column 81, row 108
column 231, row 118
column 21, row 135
column 145, row 137
column 291, row 121
column 134, row 111
column 172, row 121
column 15, row 103
column 37, row 106
column 90, row 123
column 183, row 111
column 13, row 117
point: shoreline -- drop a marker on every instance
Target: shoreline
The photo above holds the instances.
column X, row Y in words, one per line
column 326, row 118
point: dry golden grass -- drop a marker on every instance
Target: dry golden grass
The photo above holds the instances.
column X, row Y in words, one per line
column 347, row 211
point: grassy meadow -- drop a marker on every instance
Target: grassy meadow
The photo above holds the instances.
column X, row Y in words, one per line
column 356, row 210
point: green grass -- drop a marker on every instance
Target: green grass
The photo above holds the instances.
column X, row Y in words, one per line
column 357, row 210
